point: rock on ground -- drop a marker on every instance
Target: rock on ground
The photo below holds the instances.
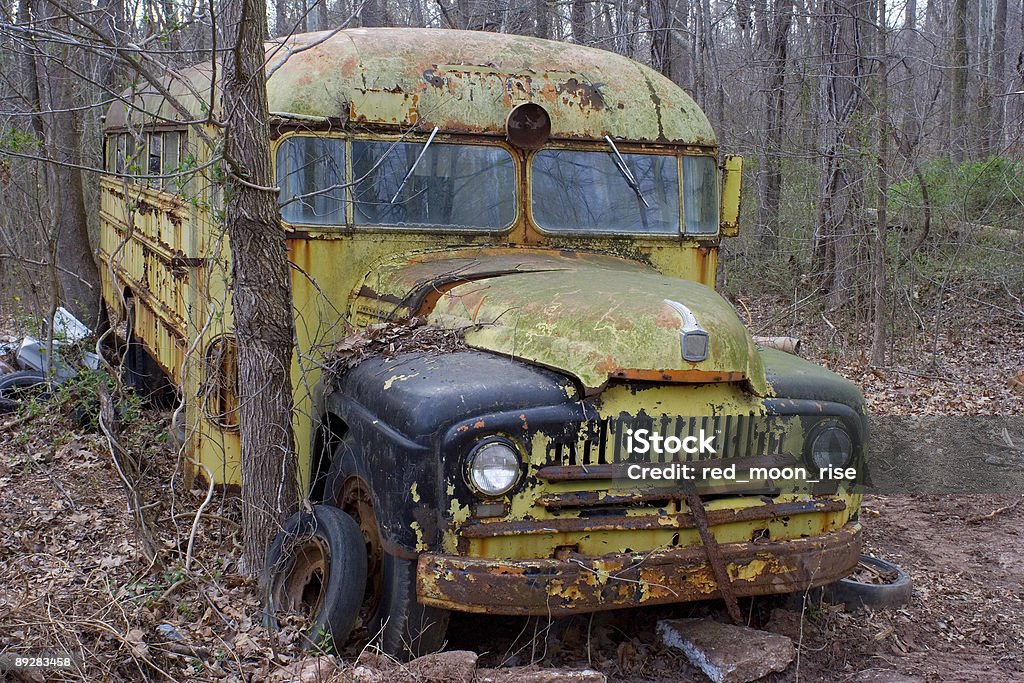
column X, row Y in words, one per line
column 310, row 670
column 885, row 676
column 455, row 666
column 726, row 653
column 532, row 674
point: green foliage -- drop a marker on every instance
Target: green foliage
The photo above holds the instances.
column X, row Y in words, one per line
column 21, row 143
column 324, row 642
column 988, row 191
column 77, row 399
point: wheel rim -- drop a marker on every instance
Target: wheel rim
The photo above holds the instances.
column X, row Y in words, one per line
column 302, row 589
column 356, row 501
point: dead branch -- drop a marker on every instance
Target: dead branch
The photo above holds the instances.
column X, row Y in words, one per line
column 995, row 513
column 128, row 471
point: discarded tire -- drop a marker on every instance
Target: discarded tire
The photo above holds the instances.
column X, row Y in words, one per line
column 889, row 586
column 316, row 571
column 17, row 387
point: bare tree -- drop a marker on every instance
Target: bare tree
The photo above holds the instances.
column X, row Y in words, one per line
column 261, row 287
column 958, row 89
column 878, row 252
column 58, row 122
column 773, row 32
column 841, row 96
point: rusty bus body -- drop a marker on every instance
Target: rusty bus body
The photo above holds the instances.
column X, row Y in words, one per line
column 571, row 322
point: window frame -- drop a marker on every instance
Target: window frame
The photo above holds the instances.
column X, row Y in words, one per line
column 717, row 175
column 347, row 209
column 626, row 148
column 419, row 138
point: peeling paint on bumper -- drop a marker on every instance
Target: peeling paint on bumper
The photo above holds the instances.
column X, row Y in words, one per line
column 579, row 583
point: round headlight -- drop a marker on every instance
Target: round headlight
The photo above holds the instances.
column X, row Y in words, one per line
column 830, row 446
column 493, row 467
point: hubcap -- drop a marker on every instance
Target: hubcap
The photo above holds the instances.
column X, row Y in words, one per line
column 302, row 590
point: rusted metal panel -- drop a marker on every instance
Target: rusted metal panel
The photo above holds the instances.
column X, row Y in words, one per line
column 464, row 81
column 594, row 316
column 732, row 188
column 460, row 81
column 585, row 583
column 583, row 525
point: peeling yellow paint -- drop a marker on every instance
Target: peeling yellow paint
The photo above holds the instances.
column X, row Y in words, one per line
column 421, row 545
column 398, row 378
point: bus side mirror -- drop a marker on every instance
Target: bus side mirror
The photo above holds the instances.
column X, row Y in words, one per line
column 732, row 185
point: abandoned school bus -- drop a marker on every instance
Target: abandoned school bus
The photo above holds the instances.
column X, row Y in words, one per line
column 561, row 208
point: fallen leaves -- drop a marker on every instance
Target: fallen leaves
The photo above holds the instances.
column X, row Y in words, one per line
column 389, row 339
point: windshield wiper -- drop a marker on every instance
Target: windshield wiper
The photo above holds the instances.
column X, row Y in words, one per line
column 620, row 164
column 414, row 165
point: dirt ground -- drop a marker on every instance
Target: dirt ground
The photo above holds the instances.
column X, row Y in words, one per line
column 72, row 578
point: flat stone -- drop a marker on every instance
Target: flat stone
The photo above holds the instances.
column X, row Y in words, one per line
column 532, row 674
column 885, row 676
column 454, row 666
column 726, row 653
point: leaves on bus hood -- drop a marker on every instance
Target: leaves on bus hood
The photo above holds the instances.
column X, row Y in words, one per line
column 389, row 339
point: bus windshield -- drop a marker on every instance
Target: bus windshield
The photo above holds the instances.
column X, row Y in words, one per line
column 611, row 192
column 396, row 184
column 433, row 184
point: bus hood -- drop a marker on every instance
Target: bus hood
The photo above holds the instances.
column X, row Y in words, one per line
column 595, row 317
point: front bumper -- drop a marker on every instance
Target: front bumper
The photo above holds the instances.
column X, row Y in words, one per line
column 587, row 583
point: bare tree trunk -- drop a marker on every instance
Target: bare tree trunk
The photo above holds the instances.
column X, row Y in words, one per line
column 840, row 98
column 996, row 75
column 878, row 281
column 621, row 28
column 28, row 70
column 79, row 276
column 370, row 15
column 543, row 19
column 910, row 15
column 578, row 21
column 661, row 36
column 958, row 88
column 770, row 175
column 281, row 26
column 416, row 13
column 318, row 16
column 261, row 288
column 981, row 129
column 682, row 67
column 110, row 23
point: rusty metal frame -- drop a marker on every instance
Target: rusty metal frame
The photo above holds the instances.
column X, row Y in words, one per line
column 576, row 583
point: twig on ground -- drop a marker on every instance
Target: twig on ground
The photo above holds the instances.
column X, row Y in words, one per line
column 994, row 513
column 199, row 514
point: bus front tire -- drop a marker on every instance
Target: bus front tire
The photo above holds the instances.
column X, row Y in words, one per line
column 401, row 625
column 316, row 569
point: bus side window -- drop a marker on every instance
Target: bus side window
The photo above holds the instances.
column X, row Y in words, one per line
column 132, row 162
column 154, row 164
column 122, row 154
column 172, row 148
column 110, row 153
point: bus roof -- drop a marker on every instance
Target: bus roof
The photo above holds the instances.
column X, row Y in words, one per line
column 458, row 81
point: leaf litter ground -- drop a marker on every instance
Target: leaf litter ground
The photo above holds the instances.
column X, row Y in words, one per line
column 72, row 581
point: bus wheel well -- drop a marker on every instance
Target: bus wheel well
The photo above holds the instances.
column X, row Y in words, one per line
column 329, row 434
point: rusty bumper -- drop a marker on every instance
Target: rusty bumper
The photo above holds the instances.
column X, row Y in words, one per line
column 582, row 583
